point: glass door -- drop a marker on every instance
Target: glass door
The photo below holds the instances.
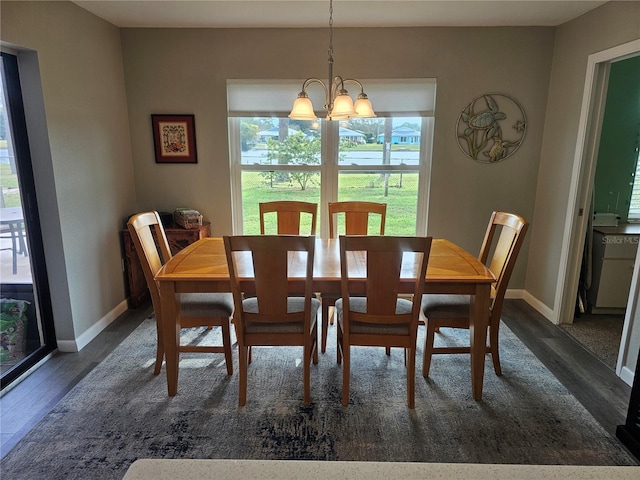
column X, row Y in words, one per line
column 26, row 323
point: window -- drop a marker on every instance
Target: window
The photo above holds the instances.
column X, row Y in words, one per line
column 634, row 207
column 383, row 159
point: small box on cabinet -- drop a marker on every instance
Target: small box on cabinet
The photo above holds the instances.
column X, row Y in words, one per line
column 187, row 218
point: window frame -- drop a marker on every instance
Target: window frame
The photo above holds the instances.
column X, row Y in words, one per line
column 330, row 170
column 329, row 163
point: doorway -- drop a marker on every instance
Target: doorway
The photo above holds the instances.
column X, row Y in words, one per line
column 581, row 189
column 613, row 231
column 26, row 319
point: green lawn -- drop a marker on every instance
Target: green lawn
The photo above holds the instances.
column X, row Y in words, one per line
column 9, row 181
column 400, row 199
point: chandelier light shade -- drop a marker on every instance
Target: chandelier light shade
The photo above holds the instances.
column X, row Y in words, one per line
column 338, row 103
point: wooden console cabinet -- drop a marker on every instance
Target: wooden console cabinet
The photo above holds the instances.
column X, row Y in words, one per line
column 178, row 238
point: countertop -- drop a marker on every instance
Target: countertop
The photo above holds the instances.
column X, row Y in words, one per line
column 623, row 229
column 167, row 469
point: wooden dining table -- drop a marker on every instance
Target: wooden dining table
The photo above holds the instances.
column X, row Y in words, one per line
column 202, row 267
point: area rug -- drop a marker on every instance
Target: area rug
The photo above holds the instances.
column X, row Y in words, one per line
column 121, row 412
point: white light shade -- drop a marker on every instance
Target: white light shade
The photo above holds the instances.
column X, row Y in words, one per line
column 363, row 108
column 302, row 110
column 342, row 107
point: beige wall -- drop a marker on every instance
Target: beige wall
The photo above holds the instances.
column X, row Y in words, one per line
column 612, row 24
column 102, row 150
column 80, row 62
column 185, row 71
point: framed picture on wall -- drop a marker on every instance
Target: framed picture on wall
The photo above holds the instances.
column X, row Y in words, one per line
column 174, row 138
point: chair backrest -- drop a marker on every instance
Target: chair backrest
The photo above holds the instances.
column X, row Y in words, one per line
column 152, row 248
column 288, row 216
column 389, row 262
column 356, row 216
column 263, row 266
column 512, row 229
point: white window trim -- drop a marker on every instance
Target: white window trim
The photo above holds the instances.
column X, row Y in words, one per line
column 329, row 167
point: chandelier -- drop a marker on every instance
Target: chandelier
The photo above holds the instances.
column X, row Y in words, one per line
column 338, row 103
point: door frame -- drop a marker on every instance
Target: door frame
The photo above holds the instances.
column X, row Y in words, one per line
column 582, row 177
column 40, row 279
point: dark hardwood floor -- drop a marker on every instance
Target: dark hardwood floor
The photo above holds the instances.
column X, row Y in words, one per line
column 595, row 385
column 24, row 405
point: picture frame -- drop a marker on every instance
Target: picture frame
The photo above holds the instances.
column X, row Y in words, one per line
column 174, row 138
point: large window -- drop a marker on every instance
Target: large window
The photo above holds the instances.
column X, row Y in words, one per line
column 383, row 159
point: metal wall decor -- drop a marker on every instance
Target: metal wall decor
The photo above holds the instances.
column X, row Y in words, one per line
column 491, row 127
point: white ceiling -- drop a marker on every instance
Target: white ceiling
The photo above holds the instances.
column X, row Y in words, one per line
column 347, row 13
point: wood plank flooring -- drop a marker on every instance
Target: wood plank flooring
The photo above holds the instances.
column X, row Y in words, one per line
column 595, row 385
column 24, row 405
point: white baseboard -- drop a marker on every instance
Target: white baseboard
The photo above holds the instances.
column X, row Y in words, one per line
column 515, row 293
column 93, row 331
column 627, row 375
column 541, row 308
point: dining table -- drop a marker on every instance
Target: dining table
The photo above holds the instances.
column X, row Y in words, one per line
column 202, row 267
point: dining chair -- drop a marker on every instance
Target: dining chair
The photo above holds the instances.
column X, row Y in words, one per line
column 14, row 232
column 453, row 310
column 272, row 314
column 357, row 217
column 194, row 309
column 371, row 311
column 288, row 215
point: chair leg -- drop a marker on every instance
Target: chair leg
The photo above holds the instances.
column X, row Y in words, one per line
column 428, row 350
column 411, row 376
column 226, row 343
column 159, row 348
column 325, row 323
column 495, row 354
column 14, row 251
column 314, row 344
column 306, row 374
column 243, row 354
column 346, row 367
column 387, row 350
column 339, row 343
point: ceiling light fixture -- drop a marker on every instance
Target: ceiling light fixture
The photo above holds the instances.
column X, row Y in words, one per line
column 339, row 105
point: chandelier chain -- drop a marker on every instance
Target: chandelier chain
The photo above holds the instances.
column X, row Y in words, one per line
column 331, row 29
column 338, row 103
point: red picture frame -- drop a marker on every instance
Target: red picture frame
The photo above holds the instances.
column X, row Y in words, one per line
column 174, row 138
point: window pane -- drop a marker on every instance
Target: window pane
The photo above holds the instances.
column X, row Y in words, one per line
column 274, row 141
column 362, row 141
column 398, row 190
column 266, row 186
column 634, row 209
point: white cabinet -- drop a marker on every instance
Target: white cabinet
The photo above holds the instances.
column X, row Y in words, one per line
column 613, row 260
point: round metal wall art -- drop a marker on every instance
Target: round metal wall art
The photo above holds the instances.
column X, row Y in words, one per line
column 491, row 128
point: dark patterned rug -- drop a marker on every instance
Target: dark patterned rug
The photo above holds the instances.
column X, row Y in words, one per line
column 120, row 412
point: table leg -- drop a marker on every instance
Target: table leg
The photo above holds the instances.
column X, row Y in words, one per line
column 478, row 322
column 170, row 334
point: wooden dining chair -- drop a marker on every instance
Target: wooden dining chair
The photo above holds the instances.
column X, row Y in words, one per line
column 289, row 215
column 357, row 218
column 194, row 309
column 272, row 313
column 453, row 310
column 370, row 311
column 14, row 232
